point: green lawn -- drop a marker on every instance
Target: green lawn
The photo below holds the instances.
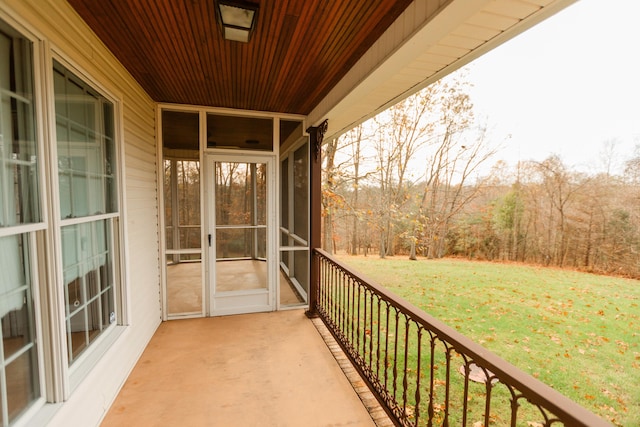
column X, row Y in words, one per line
column 578, row 332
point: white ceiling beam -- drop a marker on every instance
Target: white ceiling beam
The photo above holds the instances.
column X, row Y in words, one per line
column 390, row 70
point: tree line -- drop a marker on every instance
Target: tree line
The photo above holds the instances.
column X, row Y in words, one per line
column 410, row 182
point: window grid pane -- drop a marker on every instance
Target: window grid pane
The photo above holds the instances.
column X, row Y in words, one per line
column 18, row 358
column 19, row 200
column 301, row 192
column 86, row 160
column 88, row 272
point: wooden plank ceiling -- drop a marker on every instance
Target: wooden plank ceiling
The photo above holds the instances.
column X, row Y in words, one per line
column 299, row 50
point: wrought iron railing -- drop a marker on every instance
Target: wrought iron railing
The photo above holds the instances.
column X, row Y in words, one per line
column 425, row 373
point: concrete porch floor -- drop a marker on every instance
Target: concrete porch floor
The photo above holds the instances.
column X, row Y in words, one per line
column 269, row 369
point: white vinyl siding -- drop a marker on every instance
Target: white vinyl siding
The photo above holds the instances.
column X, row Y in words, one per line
column 64, row 35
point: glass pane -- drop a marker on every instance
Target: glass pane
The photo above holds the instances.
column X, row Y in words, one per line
column 241, row 243
column 284, row 194
column 188, row 207
column 180, row 131
column 13, row 276
column 240, row 275
column 301, row 192
column 294, row 280
column 76, row 335
column 261, row 193
column 16, row 324
column 182, row 204
column 74, row 296
column 190, row 237
column 86, row 148
column 290, row 131
column 240, row 193
column 284, row 258
column 22, row 383
column 184, row 286
column 94, row 319
column 89, row 282
column 241, row 232
column 261, row 242
column 301, row 271
column 168, row 212
column 19, row 198
column 188, row 175
column 248, row 133
column 108, row 309
column 92, row 283
column 169, row 237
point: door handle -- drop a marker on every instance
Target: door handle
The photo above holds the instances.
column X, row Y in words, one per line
column 209, row 237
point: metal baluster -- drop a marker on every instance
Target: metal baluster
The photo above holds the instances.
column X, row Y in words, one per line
column 358, row 322
column 418, row 372
column 465, row 395
column 378, row 343
column 339, row 303
column 514, row 408
column 432, row 379
column 395, row 358
column 321, row 295
column 489, row 388
column 370, row 331
column 405, row 376
column 353, row 310
column 386, row 347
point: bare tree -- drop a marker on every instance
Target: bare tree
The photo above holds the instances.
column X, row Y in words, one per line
column 452, row 161
column 401, row 131
column 329, row 199
column 356, row 155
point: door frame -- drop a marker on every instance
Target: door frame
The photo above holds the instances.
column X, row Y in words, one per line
column 247, row 301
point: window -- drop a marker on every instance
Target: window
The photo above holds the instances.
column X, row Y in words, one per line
column 84, row 171
column 183, row 243
column 20, row 218
column 88, row 208
column 294, row 224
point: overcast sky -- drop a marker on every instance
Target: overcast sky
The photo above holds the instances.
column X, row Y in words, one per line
column 565, row 86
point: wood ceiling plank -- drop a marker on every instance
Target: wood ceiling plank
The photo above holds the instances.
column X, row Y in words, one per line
column 298, row 52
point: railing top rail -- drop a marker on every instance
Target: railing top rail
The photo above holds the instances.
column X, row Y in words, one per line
column 536, row 391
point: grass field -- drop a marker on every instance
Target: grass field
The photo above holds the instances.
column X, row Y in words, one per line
column 578, row 332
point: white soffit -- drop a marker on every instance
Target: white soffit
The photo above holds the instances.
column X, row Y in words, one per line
column 428, row 41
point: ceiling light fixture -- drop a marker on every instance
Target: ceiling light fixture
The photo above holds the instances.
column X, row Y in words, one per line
column 237, row 19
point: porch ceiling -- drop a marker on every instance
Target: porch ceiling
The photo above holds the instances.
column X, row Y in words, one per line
column 335, row 59
column 299, row 50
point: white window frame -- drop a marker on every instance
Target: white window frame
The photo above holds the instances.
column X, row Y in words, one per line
column 35, row 232
column 69, row 377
